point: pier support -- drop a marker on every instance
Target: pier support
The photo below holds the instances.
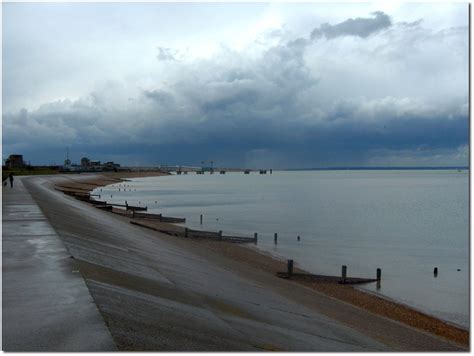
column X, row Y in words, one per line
column 379, row 274
column 275, row 238
column 255, row 238
column 435, row 271
column 201, row 219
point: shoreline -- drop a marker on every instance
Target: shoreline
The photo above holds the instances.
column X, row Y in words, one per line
column 254, row 258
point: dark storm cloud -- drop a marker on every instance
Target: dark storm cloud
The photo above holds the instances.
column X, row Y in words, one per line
column 295, row 104
column 360, row 27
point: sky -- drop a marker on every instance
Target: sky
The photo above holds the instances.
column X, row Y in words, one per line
column 257, row 85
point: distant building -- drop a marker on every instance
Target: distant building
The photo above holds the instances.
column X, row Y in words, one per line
column 88, row 165
column 85, row 162
column 111, row 166
column 14, row 161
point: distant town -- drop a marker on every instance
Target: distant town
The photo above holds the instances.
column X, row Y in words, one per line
column 16, row 161
column 17, row 165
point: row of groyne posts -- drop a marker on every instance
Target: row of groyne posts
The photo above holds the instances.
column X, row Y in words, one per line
column 343, row 279
column 289, row 274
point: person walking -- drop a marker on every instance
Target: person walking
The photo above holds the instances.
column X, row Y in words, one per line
column 10, row 176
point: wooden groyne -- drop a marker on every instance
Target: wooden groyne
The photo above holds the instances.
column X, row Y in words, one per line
column 322, row 278
column 157, row 222
column 129, row 207
column 105, row 207
column 343, row 279
column 180, row 231
column 159, row 217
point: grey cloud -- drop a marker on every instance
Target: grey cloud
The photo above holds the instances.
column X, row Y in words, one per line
column 159, row 96
column 167, row 54
column 360, row 27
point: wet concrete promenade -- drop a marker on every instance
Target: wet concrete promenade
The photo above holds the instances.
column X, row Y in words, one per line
column 46, row 304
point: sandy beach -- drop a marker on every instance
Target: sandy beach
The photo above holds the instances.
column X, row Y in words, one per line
column 106, row 266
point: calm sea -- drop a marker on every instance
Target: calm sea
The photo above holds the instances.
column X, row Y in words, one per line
column 404, row 222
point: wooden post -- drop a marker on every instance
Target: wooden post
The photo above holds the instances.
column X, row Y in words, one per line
column 344, row 273
column 379, row 274
column 290, row 268
column 298, row 238
column 161, row 215
column 435, row 271
column 276, row 238
column 255, row 238
column 133, row 213
column 201, row 219
column 220, row 234
column 185, row 232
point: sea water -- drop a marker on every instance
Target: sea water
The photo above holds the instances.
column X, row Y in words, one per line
column 405, row 222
